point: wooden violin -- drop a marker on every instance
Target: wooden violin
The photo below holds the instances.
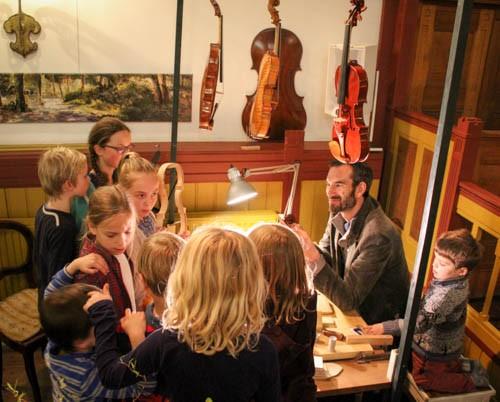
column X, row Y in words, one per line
column 179, row 187
column 212, row 75
column 22, row 25
column 275, row 106
column 350, row 143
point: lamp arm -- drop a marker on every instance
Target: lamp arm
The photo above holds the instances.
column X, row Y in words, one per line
column 269, row 170
column 279, row 169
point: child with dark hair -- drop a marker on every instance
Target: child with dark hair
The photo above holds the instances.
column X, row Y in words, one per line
column 108, row 142
column 439, row 333
column 70, row 355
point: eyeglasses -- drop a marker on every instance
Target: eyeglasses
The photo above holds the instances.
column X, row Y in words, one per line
column 121, row 150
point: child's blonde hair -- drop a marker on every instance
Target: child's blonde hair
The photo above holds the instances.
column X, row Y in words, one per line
column 58, row 165
column 284, row 267
column 106, row 202
column 216, row 294
column 460, row 248
column 156, row 259
column 131, row 164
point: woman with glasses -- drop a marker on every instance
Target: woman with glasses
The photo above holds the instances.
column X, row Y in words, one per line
column 108, row 142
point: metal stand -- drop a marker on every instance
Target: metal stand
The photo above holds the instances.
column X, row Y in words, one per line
column 446, row 120
column 175, row 108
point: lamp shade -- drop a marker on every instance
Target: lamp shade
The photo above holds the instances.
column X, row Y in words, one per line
column 239, row 189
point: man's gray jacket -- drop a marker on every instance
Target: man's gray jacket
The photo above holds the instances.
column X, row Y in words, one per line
column 364, row 266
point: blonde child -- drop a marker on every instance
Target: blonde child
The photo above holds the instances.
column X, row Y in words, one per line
column 439, row 333
column 63, row 175
column 111, row 223
column 210, row 348
column 291, row 308
column 156, row 262
column 137, row 177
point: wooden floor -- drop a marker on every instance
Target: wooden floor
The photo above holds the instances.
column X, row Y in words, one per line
column 15, row 375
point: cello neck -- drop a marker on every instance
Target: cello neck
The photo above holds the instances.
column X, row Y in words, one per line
column 277, row 39
column 343, row 70
column 220, row 44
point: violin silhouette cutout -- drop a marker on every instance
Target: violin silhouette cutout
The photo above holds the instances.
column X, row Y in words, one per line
column 22, row 25
column 350, row 143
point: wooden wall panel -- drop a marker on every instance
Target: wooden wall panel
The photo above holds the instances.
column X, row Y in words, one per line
column 435, row 28
column 423, row 181
column 487, row 171
column 405, row 163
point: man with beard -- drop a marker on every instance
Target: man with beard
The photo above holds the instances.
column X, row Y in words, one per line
column 359, row 263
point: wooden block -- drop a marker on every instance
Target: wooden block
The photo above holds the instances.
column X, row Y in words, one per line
column 342, row 350
column 353, row 339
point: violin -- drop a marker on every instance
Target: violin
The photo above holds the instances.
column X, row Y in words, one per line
column 212, row 75
column 22, row 25
column 350, row 143
column 179, row 187
column 275, row 106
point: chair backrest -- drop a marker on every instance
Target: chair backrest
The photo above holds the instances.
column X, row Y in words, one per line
column 16, row 250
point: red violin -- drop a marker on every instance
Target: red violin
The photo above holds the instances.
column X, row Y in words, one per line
column 350, row 143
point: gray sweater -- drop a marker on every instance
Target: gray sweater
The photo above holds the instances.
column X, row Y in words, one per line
column 440, row 327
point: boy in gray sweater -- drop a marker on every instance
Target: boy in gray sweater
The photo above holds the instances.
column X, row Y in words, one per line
column 439, row 332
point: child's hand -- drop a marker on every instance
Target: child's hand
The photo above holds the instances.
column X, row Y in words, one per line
column 88, row 264
column 96, row 296
column 375, row 329
column 134, row 325
column 185, row 235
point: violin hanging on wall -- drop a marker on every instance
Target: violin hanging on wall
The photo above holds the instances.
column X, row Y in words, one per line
column 350, row 143
column 210, row 96
column 275, row 106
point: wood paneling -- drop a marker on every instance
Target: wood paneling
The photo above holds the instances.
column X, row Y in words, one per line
column 487, row 171
column 405, row 162
column 480, row 82
column 423, row 181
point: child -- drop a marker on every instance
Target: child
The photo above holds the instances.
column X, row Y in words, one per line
column 156, row 261
column 210, row 347
column 137, row 177
column 111, row 222
column 108, row 141
column 63, row 175
column 291, row 307
column 439, row 333
column 69, row 354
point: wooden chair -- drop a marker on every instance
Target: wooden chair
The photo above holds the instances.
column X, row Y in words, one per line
column 20, row 238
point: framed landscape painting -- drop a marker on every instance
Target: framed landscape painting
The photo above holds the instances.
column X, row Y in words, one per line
column 51, row 98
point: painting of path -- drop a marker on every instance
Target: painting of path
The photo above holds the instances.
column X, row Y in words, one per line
column 51, row 98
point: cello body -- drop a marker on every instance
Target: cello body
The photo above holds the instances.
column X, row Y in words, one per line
column 287, row 110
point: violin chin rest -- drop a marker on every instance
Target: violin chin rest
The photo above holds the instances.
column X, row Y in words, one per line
column 337, row 153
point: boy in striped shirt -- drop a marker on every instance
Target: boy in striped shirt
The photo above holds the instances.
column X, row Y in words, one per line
column 70, row 355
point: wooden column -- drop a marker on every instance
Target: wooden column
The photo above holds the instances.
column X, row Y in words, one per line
column 466, row 136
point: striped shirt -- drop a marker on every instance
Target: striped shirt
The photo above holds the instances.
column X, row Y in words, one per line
column 74, row 375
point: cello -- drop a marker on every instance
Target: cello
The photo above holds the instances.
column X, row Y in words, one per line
column 213, row 74
column 350, row 143
column 275, row 106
